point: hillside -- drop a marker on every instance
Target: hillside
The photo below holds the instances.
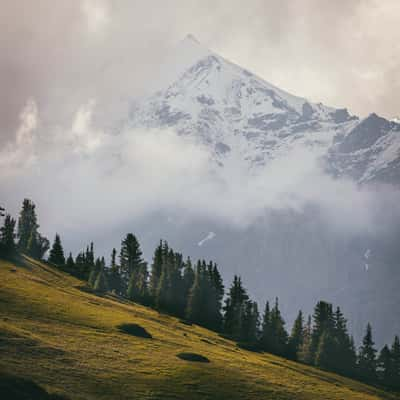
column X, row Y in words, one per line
column 67, row 340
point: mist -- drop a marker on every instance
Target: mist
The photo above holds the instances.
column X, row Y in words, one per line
column 86, row 180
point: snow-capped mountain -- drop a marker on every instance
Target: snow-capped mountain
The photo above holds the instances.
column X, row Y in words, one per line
column 241, row 117
column 247, row 122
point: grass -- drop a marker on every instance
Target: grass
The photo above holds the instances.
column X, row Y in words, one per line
column 69, row 342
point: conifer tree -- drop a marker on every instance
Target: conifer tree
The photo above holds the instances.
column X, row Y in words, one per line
column 323, row 321
column 38, row 245
column 188, row 279
column 115, row 283
column 130, row 257
column 326, row 352
column 296, row 337
column 279, row 336
column 367, row 358
column 385, row 366
column 395, row 353
column 265, row 339
column 251, row 323
column 233, row 309
column 94, row 272
column 70, row 263
column 101, row 282
column 156, row 269
column 304, row 353
column 27, row 224
column 194, row 309
column 137, row 287
column 8, row 247
column 57, row 253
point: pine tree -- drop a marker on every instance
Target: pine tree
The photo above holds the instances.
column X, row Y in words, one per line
column 27, row 224
column 265, row 340
column 137, row 287
column 115, row 283
column 279, row 336
column 188, row 280
column 57, row 253
column 94, row 272
column 38, row 245
column 251, row 323
column 385, row 366
column 7, row 237
column 367, row 358
column 296, row 337
column 194, row 309
column 395, row 352
column 323, row 321
column 233, row 309
column 70, row 263
column 156, row 269
column 326, row 351
column 344, row 359
column 130, row 257
column 101, row 282
column 304, row 354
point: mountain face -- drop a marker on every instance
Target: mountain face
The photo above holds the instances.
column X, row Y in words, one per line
column 246, row 121
column 239, row 116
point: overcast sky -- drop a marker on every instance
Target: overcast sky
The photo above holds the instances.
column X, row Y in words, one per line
column 344, row 53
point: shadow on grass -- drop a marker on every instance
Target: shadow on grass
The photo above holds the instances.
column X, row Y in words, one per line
column 193, row 357
column 134, row 330
column 16, row 388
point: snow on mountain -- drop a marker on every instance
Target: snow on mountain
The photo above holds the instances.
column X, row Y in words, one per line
column 245, row 120
column 237, row 114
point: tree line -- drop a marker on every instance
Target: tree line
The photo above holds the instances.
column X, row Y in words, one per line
column 195, row 292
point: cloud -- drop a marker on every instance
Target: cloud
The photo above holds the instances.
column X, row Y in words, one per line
column 97, row 15
column 86, row 179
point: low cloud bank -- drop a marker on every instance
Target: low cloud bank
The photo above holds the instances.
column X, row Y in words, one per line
column 85, row 179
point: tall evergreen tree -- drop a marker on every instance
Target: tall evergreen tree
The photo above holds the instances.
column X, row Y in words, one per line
column 138, row 285
column 188, row 280
column 57, row 253
column 304, row 354
column 385, row 367
column 279, row 336
column 367, row 358
column 326, row 352
column 70, row 264
column 115, row 283
column 101, row 283
column 395, row 353
column 233, row 309
column 130, row 257
column 265, row 339
column 156, row 269
column 7, row 237
column 27, row 224
column 296, row 336
column 97, row 267
column 251, row 323
column 323, row 321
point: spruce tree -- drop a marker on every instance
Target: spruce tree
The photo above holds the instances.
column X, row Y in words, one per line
column 279, row 336
column 194, row 309
column 265, row 339
column 130, row 257
column 70, row 263
column 233, row 309
column 251, row 323
column 326, row 351
column 57, row 253
column 94, row 272
column 323, row 321
column 115, row 283
column 395, row 353
column 156, row 269
column 385, row 366
column 8, row 247
column 188, row 279
column 101, row 282
column 137, row 287
column 367, row 358
column 296, row 337
column 37, row 245
column 304, row 354
column 27, row 224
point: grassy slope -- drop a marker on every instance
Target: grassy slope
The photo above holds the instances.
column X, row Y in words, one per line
column 66, row 340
